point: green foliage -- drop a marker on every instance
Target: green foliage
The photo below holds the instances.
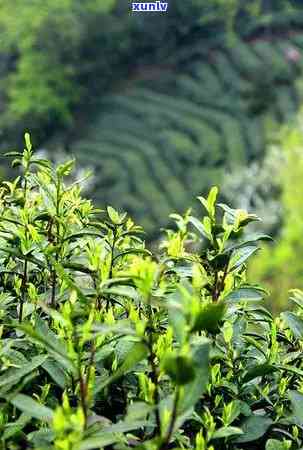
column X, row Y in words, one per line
column 190, row 129
column 257, row 187
column 184, row 106
column 40, row 53
column 279, row 265
column 106, row 345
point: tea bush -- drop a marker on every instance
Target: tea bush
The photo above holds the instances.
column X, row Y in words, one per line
column 106, row 345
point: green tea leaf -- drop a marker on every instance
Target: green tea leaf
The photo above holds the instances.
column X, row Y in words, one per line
column 180, row 368
column 56, row 372
column 66, row 168
column 200, row 227
column 296, row 399
column 253, row 428
column 209, row 317
column 14, row 375
column 32, row 408
column 13, row 428
column 110, row 435
column 240, row 256
column 194, row 390
column 123, row 291
column 45, row 337
column 113, row 215
column 294, row 322
column 28, row 141
column 274, row 444
column 258, row 371
column 225, row 432
column 133, row 251
column 248, row 294
column 134, row 356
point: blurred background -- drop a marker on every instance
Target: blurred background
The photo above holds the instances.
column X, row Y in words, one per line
column 161, row 106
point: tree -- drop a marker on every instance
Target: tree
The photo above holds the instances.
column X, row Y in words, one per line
column 41, row 56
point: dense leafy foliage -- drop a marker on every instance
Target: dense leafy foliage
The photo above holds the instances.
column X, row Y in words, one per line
column 106, row 345
column 42, row 44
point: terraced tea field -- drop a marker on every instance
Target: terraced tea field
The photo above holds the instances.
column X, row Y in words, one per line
column 160, row 141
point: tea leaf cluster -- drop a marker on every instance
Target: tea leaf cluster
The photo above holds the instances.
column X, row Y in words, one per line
column 105, row 344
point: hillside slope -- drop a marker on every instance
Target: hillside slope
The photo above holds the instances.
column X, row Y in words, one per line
column 164, row 138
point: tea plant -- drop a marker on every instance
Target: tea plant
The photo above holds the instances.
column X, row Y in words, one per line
column 106, row 345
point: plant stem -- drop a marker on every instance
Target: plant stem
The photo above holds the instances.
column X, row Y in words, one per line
column 24, row 277
column 83, row 388
column 154, row 379
column 57, row 238
column 164, row 445
column 154, row 370
column 110, row 274
column 90, row 366
column 53, row 294
column 23, row 291
column 52, row 240
column 214, row 293
column 219, row 284
column 83, row 396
